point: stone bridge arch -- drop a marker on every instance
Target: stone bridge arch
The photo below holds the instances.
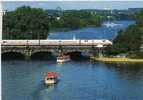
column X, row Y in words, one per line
column 76, row 55
column 12, row 55
column 12, row 50
column 42, row 54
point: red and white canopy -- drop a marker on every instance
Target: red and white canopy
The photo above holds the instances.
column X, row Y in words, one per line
column 52, row 74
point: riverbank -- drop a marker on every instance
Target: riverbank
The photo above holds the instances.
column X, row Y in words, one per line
column 71, row 29
column 108, row 59
column 60, row 30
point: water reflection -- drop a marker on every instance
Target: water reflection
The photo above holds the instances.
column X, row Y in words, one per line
column 129, row 71
column 79, row 80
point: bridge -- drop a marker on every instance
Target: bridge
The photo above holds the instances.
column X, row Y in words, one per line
column 30, row 47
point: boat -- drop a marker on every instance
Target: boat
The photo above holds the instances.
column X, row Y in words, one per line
column 51, row 78
column 63, row 58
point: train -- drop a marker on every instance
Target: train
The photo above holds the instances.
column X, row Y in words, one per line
column 55, row 42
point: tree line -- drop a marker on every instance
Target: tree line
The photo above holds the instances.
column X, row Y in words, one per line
column 75, row 19
column 129, row 41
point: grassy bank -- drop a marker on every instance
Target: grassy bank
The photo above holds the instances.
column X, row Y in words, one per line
column 108, row 59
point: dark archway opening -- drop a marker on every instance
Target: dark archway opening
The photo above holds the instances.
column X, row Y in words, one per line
column 12, row 56
column 42, row 56
column 77, row 56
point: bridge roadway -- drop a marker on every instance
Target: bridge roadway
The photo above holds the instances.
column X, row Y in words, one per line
column 97, row 42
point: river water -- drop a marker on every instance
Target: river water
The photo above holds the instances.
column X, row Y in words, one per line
column 108, row 30
column 79, row 80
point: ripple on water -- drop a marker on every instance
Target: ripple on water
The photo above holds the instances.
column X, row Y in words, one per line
column 82, row 80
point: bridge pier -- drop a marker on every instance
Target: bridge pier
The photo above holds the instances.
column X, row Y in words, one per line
column 96, row 52
column 93, row 52
column 27, row 54
column 100, row 53
column 60, row 50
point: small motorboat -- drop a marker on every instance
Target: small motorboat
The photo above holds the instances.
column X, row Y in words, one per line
column 51, row 78
column 63, row 58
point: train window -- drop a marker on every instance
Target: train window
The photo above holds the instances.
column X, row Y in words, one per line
column 104, row 40
column 4, row 41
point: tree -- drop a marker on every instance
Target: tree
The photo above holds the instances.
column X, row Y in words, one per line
column 129, row 41
column 139, row 18
column 26, row 23
column 74, row 19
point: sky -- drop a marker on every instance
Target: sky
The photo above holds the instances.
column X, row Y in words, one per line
column 66, row 5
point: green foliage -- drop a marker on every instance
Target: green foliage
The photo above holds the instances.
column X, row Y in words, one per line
column 76, row 19
column 139, row 18
column 129, row 41
column 136, row 55
column 25, row 23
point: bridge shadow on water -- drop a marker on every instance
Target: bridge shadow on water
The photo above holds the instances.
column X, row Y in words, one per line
column 12, row 56
column 43, row 56
column 77, row 56
column 38, row 56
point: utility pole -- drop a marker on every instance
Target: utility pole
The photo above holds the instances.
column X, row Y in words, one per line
column 6, row 32
column 1, row 20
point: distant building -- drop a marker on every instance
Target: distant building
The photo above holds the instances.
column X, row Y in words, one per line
column 120, row 56
column 109, row 17
column 141, row 48
column 58, row 18
column 135, row 9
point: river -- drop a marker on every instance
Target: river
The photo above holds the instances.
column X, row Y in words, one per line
column 108, row 30
column 79, row 80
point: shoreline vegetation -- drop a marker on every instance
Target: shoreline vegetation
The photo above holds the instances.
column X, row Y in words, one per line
column 113, row 60
column 73, row 20
column 128, row 43
column 60, row 30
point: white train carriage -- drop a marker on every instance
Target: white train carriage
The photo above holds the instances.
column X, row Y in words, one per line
column 59, row 42
column 14, row 42
column 49, row 42
column 33, row 42
column 89, row 42
column 69, row 42
column 56, row 42
column 95, row 42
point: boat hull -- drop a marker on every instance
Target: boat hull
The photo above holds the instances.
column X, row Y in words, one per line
column 50, row 81
column 62, row 60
